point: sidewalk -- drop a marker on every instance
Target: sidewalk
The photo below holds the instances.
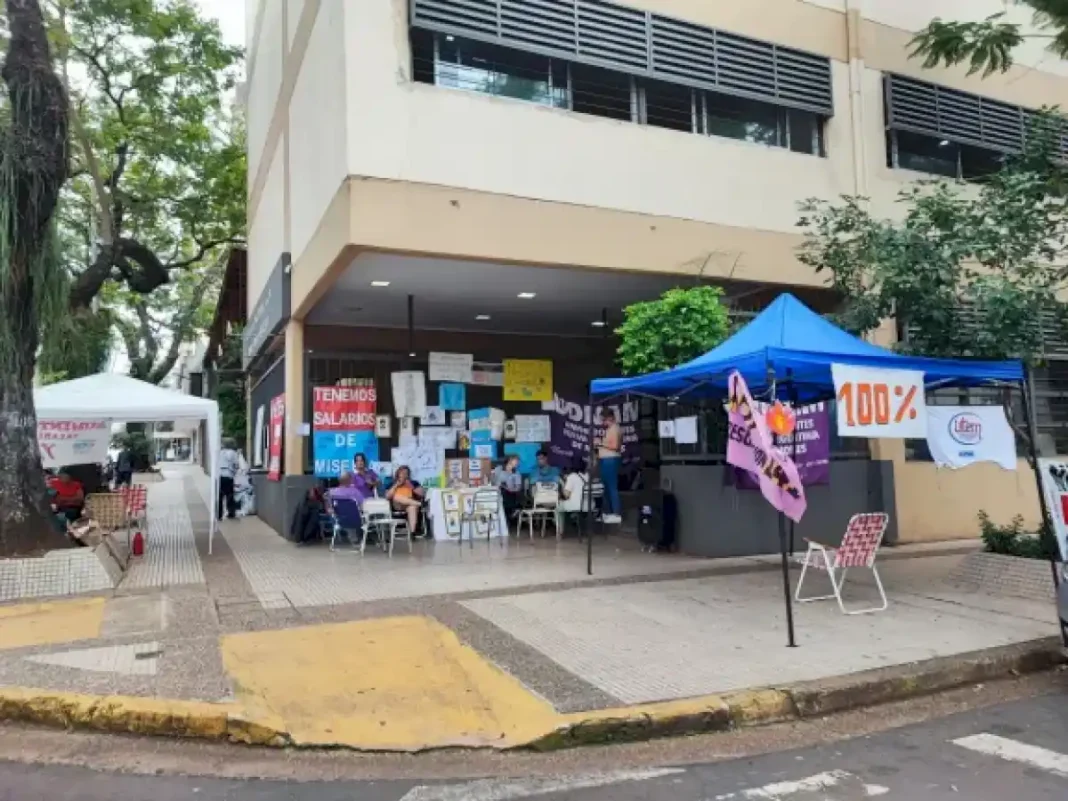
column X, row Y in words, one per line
column 495, row 646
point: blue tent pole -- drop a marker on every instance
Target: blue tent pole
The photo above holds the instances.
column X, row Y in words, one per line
column 791, row 639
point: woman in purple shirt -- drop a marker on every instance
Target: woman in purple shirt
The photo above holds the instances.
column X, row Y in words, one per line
column 359, row 485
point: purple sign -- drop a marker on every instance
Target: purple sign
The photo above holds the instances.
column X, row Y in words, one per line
column 571, row 429
column 809, row 446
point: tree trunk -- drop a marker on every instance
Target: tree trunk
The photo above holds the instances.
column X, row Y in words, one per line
column 33, row 168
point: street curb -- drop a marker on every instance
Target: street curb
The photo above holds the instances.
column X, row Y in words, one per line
column 711, row 713
column 804, row 700
column 130, row 715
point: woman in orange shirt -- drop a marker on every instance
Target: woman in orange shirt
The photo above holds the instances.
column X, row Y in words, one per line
column 405, row 496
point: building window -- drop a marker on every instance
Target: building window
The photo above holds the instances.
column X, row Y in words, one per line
column 936, row 156
column 603, row 93
column 459, row 63
column 489, row 69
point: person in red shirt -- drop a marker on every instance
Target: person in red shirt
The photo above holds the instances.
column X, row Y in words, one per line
column 69, row 496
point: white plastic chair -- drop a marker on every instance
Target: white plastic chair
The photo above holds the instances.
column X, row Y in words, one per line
column 546, row 498
column 860, row 545
column 485, row 510
column 378, row 515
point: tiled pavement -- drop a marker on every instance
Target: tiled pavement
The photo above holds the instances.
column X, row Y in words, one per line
column 645, row 627
column 170, row 558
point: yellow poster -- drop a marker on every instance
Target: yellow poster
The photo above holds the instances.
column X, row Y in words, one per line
column 528, row 380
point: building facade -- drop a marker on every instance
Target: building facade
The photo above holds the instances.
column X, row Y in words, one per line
column 503, row 176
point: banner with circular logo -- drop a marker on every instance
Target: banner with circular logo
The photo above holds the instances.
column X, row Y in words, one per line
column 958, row 436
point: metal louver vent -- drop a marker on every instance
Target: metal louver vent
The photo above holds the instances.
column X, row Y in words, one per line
column 641, row 43
column 960, row 117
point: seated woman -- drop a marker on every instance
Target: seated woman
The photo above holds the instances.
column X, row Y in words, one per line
column 510, row 482
column 349, row 489
column 406, row 496
column 69, row 497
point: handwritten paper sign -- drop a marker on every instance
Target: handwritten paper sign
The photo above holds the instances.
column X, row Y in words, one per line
column 451, row 367
column 409, row 393
column 532, row 428
column 67, row 442
column 528, row 380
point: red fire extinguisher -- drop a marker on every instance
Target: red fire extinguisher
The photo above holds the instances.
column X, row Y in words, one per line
column 138, row 546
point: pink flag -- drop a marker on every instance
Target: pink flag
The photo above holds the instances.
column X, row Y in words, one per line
column 749, row 446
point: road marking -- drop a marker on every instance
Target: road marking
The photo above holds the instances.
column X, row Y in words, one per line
column 1013, row 751
column 507, row 789
column 780, row 791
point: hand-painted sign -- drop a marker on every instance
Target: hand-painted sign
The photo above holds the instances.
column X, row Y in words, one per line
column 878, row 403
column 749, row 446
column 344, row 421
column 275, row 438
column 67, row 442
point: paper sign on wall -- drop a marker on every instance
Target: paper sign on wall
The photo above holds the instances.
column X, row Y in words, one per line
column 685, row 430
column 484, row 450
column 532, row 428
column 527, row 453
column 409, row 393
column 433, row 416
column 383, row 426
column 528, row 380
column 439, row 437
column 878, row 403
column 452, row 397
column 451, row 367
column 275, row 438
column 667, row 429
column 68, row 442
column 458, row 420
column 344, row 425
column 258, row 443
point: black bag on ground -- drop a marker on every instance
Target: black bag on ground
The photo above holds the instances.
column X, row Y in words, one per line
column 657, row 519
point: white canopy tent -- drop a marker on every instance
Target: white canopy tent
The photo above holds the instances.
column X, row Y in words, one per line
column 121, row 399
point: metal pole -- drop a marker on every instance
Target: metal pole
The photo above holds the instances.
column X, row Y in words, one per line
column 791, row 392
column 589, row 492
column 791, row 639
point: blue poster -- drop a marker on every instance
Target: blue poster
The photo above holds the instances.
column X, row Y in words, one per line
column 452, row 397
column 335, row 450
column 527, row 453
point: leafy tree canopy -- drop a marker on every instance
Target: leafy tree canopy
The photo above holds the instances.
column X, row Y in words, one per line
column 159, row 181
column 987, row 45
column 968, row 270
column 679, row 326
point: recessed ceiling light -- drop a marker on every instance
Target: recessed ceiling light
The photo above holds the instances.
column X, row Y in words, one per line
column 380, row 283
column 598, row 323
column 944, row 143
column 482, row 317
column 527, row 295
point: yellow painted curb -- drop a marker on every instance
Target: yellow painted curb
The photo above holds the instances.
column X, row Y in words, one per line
column 131, row 715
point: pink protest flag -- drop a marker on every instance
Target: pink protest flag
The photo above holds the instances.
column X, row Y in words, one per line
column 750, row 447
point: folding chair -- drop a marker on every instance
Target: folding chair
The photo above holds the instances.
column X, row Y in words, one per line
column 485, row 509
column 135, row 497
column 345, row 519
column 861, row 542
column 546, row 498
column 378, row 515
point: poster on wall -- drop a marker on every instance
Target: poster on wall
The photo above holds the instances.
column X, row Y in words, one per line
column 454, row 367
column 452, row 397
column 67, row 442
column 570, row 428
column 275, row 438
column 877, row 403
column 1055, row 486
column 344, row 424
column 259, row 446
column 532, row 428
column 409, row 393
column 528, row 380
column 383, row 426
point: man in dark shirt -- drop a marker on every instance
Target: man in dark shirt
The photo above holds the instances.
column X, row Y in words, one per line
column 124, row 468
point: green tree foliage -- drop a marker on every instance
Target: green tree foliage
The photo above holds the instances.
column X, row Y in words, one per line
column 679, row 326
column 159, row 182
column 33, row 168
column 969, row 270
column 987, row 45
column 230, row 390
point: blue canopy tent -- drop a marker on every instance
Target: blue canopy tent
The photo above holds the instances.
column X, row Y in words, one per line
column 790, row 341
column 788, row 349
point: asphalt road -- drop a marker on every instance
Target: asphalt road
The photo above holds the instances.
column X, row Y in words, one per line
column 1012, row 752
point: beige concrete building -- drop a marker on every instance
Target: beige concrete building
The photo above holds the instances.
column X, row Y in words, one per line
column 418, row 169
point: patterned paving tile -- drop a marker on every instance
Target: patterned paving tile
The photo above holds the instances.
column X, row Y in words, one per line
column 170, row 557
column 128, row 660
column 283, row 575
column 675, row 639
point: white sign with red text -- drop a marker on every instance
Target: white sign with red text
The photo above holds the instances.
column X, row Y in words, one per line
column 67, row 442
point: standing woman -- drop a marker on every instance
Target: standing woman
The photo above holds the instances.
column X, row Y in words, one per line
column 229, row 464
column 610, row 455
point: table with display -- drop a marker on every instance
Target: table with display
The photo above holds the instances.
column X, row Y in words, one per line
column 445, row 523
